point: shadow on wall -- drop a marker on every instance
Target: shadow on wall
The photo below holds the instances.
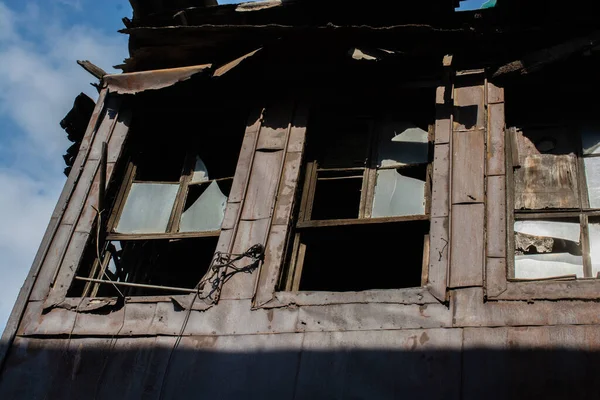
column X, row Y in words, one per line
column 135, row 369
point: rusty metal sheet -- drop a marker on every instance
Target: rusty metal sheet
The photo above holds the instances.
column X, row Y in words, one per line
column 439, row 248
column 419, row 364
column 496, row 161
column 355, row 317
column 466, row 244
column 440, row 191
column 468, row 165
column 470, row 310
column 222, row 70
column 496, row 216
column 262, row 186
column 137, row 82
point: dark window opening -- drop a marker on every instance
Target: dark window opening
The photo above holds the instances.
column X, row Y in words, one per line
column 162, row 263
column 362, row 214
column 356, row 258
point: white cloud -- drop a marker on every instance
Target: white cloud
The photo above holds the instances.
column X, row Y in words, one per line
column 39, row 80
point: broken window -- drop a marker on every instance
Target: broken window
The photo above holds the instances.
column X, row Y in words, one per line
column 366, row 185
column 556, row 188
column 163, row 229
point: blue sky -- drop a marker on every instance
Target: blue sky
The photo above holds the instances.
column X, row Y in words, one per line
column 40, row 40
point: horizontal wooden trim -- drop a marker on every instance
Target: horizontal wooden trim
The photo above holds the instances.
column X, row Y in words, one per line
column 341, row 169
column 552, row 278
column 137, row 285
column 360, row 221
column 550, row 214
column 158, row 182
column 338, row 178
column 210, row 181
column 155, row 236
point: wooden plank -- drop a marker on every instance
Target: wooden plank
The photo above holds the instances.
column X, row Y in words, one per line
column 546, row 181
column 287, row 189
column 106, row 127
column 443, row 124
column 441, row 181
column 363, row 221
column 495, row 143
column 51, row 263
column 469, row 108
column 468, row 164
column 439, row 248
column 24, row 293
column 231, row 217
column 470, row 310
column 394, row 296
column 495, row 94
column 552, row 290
column 276, row 124
column 496, row 216
column 425, row 263
column 68, row 268
column 262, row 186
column 353, row 317
column 249, row 233
column 242, row 171
column 80, row 194
column 271, row 267
column 298, row 131
column 495, row 282
column 467, row 247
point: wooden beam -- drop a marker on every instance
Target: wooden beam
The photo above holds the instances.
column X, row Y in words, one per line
column 92, row 69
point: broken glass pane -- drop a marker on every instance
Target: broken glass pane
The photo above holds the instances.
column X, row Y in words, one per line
column 554, row 229
column 592, row 174
column 594, row 230
column 545, row 249
column 396, row 195
column 206, row 212
column 148, row 208
column 539, row 266
column 200, row 171
column 402, row 143
column 590, row 139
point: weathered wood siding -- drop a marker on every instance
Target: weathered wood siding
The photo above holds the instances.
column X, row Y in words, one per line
column 469, row 333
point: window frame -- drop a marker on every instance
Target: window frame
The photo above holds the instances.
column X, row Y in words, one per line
column 582, row 213
column 290, row 277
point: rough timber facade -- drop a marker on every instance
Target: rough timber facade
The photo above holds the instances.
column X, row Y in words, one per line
column 326, row 199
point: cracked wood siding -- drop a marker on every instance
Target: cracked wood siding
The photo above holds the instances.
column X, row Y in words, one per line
column 258, row 202
column 82, row 209
column 283, row 206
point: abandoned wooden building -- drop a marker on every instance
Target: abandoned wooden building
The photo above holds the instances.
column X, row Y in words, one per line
column 326, row 199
